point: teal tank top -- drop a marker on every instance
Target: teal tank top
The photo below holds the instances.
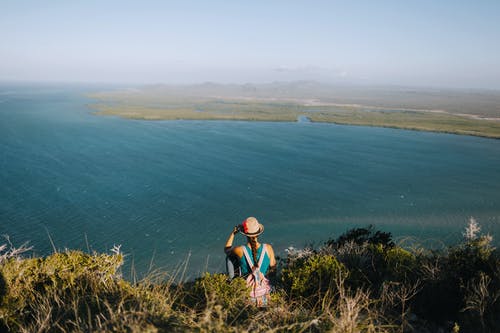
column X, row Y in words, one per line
column 265, row 263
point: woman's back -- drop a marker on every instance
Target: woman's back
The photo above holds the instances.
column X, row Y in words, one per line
column 246, row 268
column 251, row 228
column 254, row 260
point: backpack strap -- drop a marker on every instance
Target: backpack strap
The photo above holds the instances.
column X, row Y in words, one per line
column 262, row 255
column 249, row 259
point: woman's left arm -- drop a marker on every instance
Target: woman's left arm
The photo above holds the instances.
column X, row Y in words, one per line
column 272, row 259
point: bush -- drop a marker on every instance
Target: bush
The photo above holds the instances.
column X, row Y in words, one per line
column 70, row 289
column 400, row 264
column 362, row 236
column 464, row 284
column 360, row 282
column 313, row 276
column 3, row 288
column 371, row 257
column 217, row 289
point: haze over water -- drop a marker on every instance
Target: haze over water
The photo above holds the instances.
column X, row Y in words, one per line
column 164, row 189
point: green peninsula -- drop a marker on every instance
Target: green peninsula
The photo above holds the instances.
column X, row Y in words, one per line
column 452, row 111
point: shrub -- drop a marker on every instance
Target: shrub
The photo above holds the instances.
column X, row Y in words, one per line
column 60, row 287
column 400, row 264
column 71, row 270
column 313, row 276
column 362, row 236
column 216, row 290
column 3, row 288
column 369, row 265
column 370, row 256
column 361, row 282
column 461, row 284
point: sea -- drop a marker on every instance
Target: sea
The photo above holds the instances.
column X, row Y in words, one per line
column 170, row 192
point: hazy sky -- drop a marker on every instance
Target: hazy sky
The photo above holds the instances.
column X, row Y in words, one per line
column 437, row 43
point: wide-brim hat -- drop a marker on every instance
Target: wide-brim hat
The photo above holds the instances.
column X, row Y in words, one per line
column 251, row 227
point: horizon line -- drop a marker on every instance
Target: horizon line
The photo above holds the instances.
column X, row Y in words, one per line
column 136, row 84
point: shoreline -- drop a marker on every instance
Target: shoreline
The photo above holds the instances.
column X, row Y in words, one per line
column 350, row 120
column 447, row 112
column 319, row 103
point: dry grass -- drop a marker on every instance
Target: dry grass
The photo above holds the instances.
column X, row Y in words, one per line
column 349, row 286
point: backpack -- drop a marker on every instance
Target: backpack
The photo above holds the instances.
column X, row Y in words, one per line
column 259, row 285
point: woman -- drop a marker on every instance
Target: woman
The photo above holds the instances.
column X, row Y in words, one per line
column 255, row 260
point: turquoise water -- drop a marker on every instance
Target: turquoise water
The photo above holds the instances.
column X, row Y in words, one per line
column 164, row 189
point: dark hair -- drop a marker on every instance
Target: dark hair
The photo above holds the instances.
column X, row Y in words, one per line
column 253, row 244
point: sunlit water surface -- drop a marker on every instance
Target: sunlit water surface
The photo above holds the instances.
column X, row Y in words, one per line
column 169, row 190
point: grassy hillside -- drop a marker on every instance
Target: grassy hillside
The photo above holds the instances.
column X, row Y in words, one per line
column 359, row 282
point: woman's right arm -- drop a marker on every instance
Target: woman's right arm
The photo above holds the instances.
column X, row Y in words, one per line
column 230, row 239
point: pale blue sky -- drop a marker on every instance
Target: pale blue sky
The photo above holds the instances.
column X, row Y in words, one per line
column 445, row 43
